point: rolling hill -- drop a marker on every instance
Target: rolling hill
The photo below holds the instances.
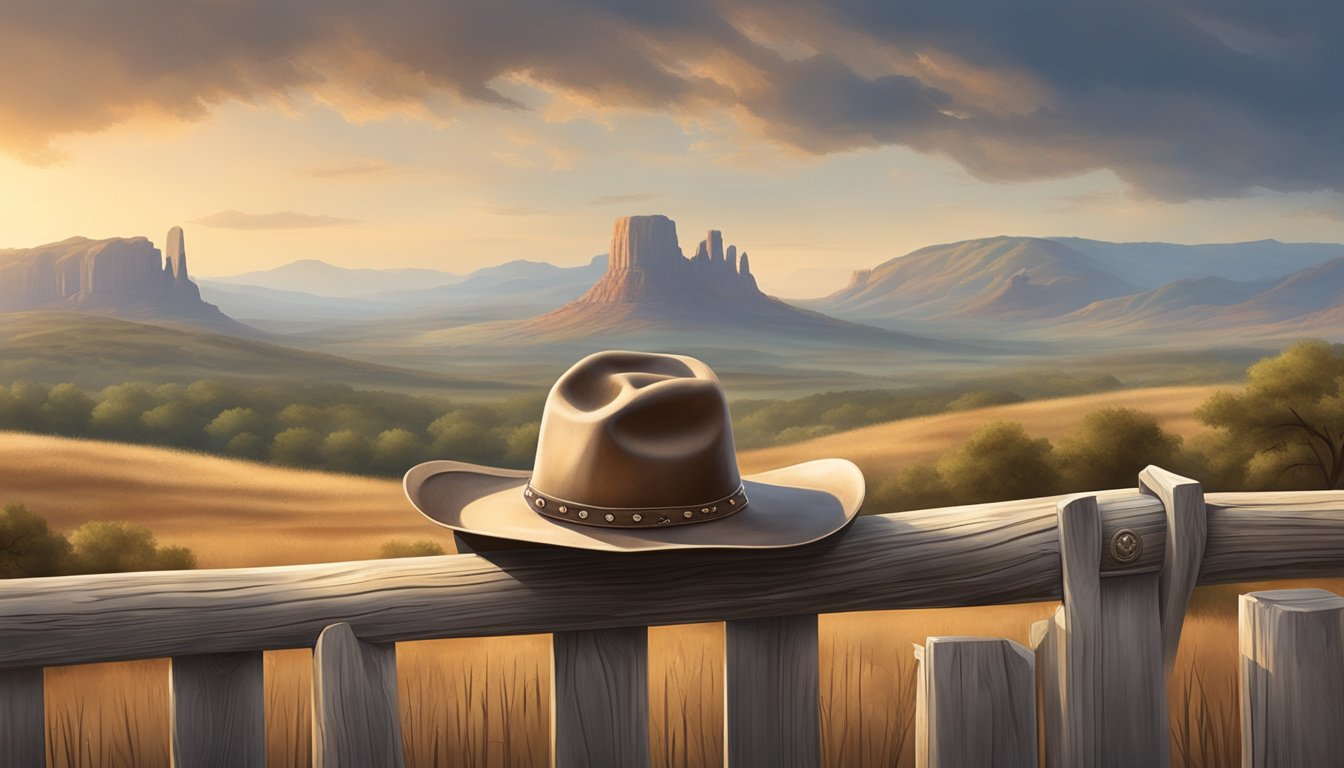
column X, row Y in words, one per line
column 318, row 278
column 1071, row 287
column 94, row 351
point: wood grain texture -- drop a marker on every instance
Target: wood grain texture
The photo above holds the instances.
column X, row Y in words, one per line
column 1292, row 677
column 1046, row 640
column 600, row 704
column 772, row 694
column 218, row 710
column 1111, row 679
column 1080, row 677
column 356, row 720
column 976, row 703
column 977, row 555
column 23, row 741
column 1186, row 530
column 1275, row 535
column 1132, row 721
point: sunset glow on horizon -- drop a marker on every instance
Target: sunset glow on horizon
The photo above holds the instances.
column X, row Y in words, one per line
column 818, row 139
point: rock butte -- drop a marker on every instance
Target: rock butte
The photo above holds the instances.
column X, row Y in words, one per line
column 121, row 276
column 650, row 286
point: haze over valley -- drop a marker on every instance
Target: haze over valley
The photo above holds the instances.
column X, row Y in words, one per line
column 943, row 312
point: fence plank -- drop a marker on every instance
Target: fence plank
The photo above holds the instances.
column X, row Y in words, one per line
column 218, row 710
column 23, row 738
column 600, row 705
column 356, row 722
column 1080, row 651
column 772, row 693
column 1187, row 521
column 1111, row 686
column 976, row 703
column 1292, row 677
column 1046, row 637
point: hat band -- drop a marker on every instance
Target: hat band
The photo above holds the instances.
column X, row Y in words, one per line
column 633, row 517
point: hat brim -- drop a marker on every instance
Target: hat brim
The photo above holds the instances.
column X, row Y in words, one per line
column 786, row 508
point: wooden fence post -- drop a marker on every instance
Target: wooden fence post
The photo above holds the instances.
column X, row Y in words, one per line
column 600, row 704
column 1187, row 526
column 975, row 703
column 772, row 693
column 1292, row 677
column 218, row 710
column 356, row 721
column 1107, row 648
column 23, row 736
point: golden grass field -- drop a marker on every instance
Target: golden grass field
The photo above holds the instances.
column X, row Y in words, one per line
column 486, row 701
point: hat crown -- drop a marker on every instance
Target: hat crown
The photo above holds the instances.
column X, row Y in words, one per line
column 633, row 430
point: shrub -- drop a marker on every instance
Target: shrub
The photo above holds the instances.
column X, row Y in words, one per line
column 114, row 547
column 28, row 546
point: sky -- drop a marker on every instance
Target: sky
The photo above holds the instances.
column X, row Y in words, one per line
column 819, row 137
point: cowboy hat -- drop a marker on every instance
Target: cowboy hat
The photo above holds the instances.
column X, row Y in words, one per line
column 635, row 453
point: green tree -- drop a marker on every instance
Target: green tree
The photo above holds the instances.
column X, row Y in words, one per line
column 419, row 548
column 1111, row 446
column 346, row 451
column 67, row 410
column 246, row 445
column 1291, row 414
column 296, row 447
column 28, row 546
column 20, row 406
column 173, row 423
column 1000, row 461
column 117, row 415
column 396, row 450
column 232, row 422
column 918, row 486
column 104, row 546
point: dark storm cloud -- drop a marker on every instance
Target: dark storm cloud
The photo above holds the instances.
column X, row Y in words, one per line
column 1182, row 99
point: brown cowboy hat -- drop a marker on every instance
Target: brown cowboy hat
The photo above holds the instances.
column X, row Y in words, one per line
column 636, row 454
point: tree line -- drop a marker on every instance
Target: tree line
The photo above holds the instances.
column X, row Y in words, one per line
column 338, row 428
column 1284, row 430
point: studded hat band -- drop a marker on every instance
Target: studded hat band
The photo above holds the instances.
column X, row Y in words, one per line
column 646, row 517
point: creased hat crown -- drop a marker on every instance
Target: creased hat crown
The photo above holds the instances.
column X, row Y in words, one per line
column 631, row 430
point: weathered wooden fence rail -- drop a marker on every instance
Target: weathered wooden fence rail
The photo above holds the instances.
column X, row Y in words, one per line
column 1123, row 562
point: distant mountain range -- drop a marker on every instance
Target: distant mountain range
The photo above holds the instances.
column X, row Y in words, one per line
column 977, row 290
column 1082, row 287
column 283, row 299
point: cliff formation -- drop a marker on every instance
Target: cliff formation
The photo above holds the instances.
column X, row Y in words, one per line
column 126, row 277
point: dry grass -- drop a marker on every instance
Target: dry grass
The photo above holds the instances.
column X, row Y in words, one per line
column 230, row 513
column 486, row 702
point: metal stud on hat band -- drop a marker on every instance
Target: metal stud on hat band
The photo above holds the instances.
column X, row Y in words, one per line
column 643, row 517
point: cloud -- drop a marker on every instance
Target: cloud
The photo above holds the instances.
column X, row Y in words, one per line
column 1183, row 99
column 282, row 220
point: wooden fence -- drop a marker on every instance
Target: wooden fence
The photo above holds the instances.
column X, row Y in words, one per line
column 1123, row 563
